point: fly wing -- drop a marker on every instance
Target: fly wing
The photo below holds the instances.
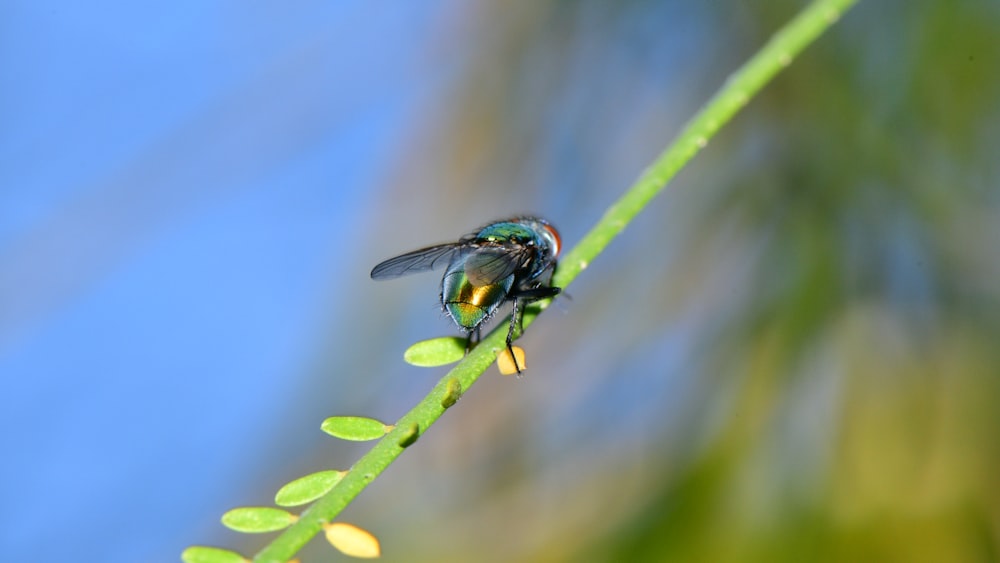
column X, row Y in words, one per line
column 416, row 261
column 490, row 264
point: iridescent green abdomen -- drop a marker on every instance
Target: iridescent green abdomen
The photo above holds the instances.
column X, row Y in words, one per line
column 470, row 305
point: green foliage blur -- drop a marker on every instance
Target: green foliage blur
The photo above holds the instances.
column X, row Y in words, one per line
column 794, row 355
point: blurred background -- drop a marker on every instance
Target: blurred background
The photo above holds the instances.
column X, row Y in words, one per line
column 792, row 354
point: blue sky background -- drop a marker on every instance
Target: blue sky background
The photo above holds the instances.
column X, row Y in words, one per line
column 187, row 192
column 192, row 196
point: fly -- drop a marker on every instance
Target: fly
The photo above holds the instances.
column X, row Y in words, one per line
column 509, row 260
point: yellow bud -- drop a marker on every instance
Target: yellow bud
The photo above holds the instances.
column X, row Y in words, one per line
column 352, row 540
column 506, row 364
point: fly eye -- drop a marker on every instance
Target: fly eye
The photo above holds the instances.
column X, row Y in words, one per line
column 556, row 241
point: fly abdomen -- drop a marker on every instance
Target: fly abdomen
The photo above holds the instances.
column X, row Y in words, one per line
column 470, row 305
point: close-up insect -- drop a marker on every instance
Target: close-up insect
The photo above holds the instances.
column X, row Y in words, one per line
column 508, row 260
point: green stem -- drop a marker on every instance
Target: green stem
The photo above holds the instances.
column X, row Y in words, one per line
column 778, row 53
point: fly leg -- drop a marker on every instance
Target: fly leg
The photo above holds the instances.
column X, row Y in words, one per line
column 468, row 341
column 521, row 299
column 532, row 295
column 515, row 321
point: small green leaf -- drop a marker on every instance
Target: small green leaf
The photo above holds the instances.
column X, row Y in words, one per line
column 435, row 352
column 410, row 436
column 308, row 488
column 202, row 554
column 356, row 428
column 452, row 392
column 257, row 519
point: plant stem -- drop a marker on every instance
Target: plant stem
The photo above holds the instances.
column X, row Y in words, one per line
column 778, row 53
column 741, row 86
